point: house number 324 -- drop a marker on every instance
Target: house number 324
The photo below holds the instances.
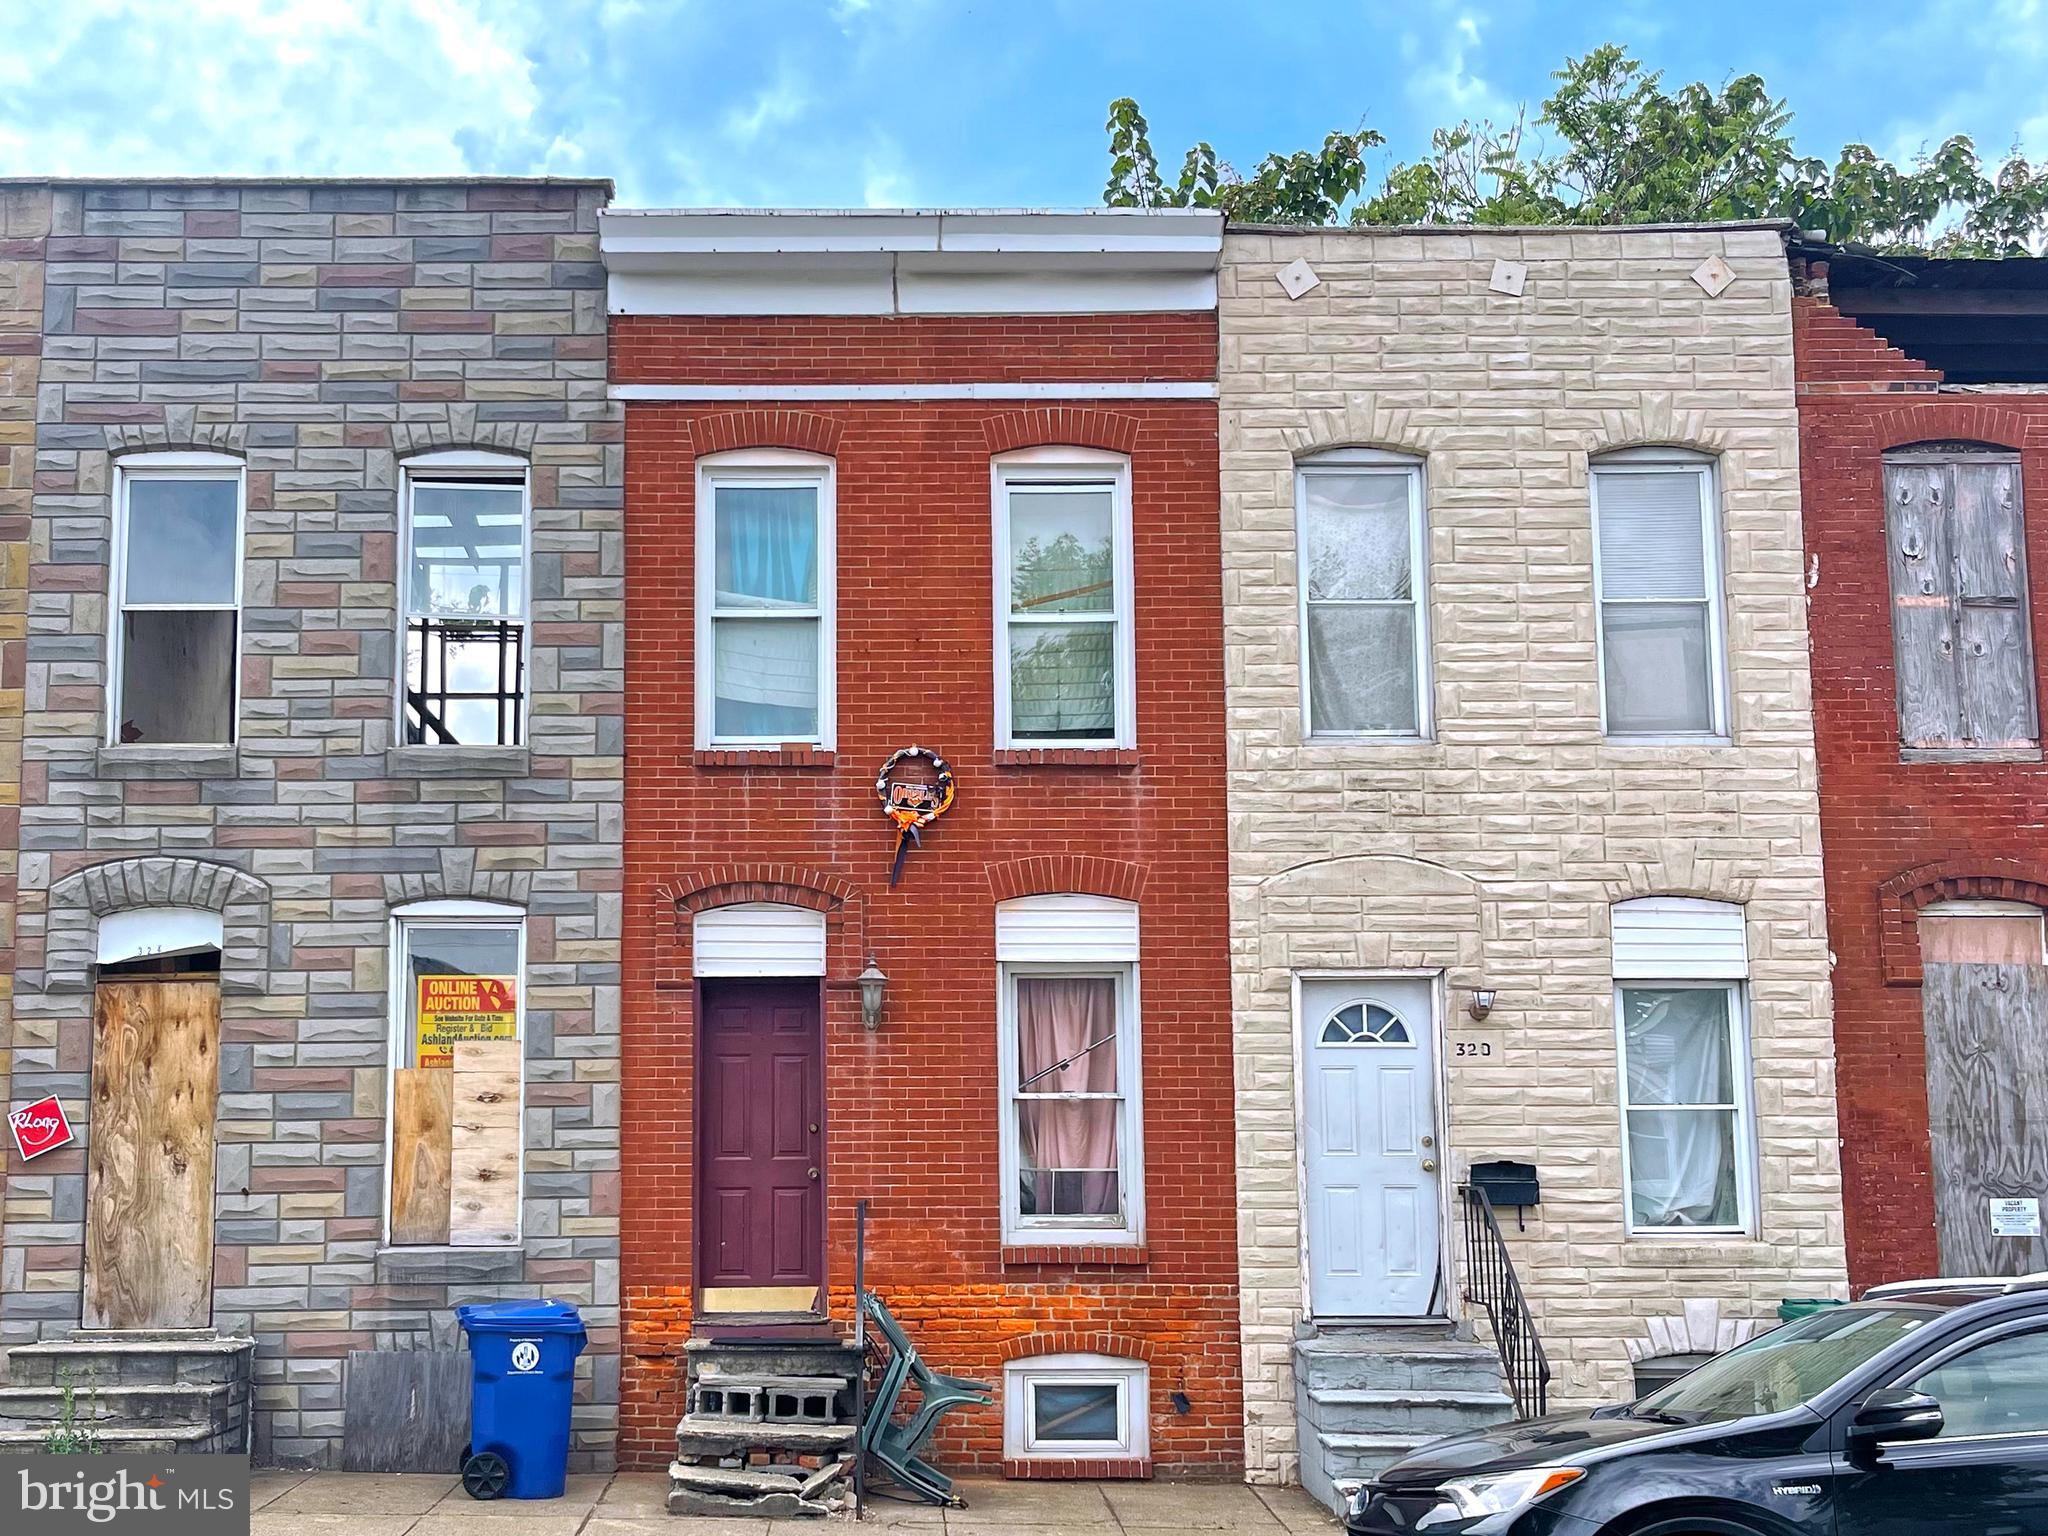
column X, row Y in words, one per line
column 1471, row 1049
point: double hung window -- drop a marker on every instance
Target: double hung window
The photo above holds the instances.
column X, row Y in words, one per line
column 176, row 643
column 466, row 602
column 764, row 601
column 1064, row 646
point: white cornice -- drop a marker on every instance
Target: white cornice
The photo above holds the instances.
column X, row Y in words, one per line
column 908, row 262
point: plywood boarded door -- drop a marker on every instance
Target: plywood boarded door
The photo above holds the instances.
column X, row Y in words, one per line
column 149, row 1173
column 1987, row 1106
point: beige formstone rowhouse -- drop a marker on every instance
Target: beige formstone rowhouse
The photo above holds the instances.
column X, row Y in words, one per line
column 1490, row 854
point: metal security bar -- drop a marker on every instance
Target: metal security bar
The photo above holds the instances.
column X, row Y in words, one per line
column 1491, row 1284
column 453, row 662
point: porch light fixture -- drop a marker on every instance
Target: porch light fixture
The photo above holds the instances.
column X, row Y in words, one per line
column 1481, row 1004
column 874, row 992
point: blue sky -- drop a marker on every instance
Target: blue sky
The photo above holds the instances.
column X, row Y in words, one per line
column 893, row 102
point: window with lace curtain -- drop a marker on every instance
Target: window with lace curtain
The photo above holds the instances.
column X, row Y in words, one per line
column 1364, row 618
column 1068, row 1030
column 1681, row 1019
column 1657, row 584
column 765, row 584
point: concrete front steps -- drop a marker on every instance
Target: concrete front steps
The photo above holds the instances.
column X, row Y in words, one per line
column 1365, row 1397
column 769, row 1428
column 161, row 1392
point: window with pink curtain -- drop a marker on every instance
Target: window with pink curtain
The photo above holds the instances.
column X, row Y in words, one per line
column 1069, row 1102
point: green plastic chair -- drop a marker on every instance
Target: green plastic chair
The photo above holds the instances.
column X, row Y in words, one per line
column 896, row 1446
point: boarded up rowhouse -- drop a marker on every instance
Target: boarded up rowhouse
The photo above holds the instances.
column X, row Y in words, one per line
column 1923, row 413
column 320, row 847
column 947, row 481
column 1525, row 853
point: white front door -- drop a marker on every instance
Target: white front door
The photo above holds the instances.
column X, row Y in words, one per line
column 1368, row 1100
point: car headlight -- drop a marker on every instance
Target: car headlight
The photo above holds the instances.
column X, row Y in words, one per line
column 1500, row 1494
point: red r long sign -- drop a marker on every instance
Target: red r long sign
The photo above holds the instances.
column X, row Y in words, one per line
column 39, row 1127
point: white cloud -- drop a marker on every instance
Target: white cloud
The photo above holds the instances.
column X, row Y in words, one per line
column 304, row 87
column 1445, row 86
column 774, row 106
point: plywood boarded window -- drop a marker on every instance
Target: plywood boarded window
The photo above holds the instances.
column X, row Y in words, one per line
column 1954, row 525
column 458, row 1007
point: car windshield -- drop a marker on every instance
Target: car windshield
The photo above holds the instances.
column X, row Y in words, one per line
column 1785, row 1367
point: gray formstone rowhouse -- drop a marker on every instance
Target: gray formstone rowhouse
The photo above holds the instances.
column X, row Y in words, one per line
column 322, row 700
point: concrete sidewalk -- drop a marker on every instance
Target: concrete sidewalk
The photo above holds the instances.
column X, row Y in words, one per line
column 630, row 1504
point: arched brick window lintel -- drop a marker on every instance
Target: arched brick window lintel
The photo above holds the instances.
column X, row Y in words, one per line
column 1060, row 426
column 780, row 427
column 1950, row 420
column 1076, row 1341
column 680, row 898
column 1900, row 899
column 1066, row 874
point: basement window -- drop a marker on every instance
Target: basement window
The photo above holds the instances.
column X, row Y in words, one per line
column 176, row 640
column 1076, row 1405
column 465, row 601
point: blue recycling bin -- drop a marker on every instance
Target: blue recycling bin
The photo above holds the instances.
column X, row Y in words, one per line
column 522, row 1386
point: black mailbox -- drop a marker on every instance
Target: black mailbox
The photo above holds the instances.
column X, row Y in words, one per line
column 1507, row 1184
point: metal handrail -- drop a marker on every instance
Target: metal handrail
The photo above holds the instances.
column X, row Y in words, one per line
column 1492, row 1284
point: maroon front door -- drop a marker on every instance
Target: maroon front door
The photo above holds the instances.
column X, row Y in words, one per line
column 761, row 1148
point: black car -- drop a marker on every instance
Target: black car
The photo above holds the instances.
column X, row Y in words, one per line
column 1920, row 1409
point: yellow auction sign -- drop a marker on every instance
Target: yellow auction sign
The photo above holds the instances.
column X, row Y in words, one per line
column 453, row 1008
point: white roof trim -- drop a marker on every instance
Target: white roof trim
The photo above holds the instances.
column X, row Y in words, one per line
column 909, row 261
column 1154, row 389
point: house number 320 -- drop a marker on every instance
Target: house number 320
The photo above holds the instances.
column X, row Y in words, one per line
column 1472, row 1049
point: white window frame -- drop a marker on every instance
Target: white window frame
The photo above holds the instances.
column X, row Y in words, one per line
column 1132, row 1380
column 447, row 913
column 1637, row 461
column 1742, row 1139
column 1349, row 461
column 1085, row 466
column 461, row 467
column 772, row 468
column 172, row 466
column 1042, row 1231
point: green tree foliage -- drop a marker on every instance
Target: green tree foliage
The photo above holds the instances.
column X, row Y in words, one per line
column 1616, row 147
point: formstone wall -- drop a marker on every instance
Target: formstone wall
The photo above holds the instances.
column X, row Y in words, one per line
column 322, row 332
column 1492, row 853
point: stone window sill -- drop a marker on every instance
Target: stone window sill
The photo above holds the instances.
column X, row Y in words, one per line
column 1064, row 1468
column 1969, row 754
column 765, row 757
column 140, row 762
column 1067, row 757
column 422, row 762
column 451, row 1266
column 1070, row 1255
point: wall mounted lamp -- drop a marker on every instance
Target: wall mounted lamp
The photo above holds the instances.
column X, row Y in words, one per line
column 1481, row 1004
column 874, row 993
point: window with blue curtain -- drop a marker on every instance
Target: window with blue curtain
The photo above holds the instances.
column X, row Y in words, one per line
column 766, row 618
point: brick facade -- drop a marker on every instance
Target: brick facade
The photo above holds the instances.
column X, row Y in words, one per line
column 1492, row 853
column 912, row 1110
column 319, row 334
column 1899, row 834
